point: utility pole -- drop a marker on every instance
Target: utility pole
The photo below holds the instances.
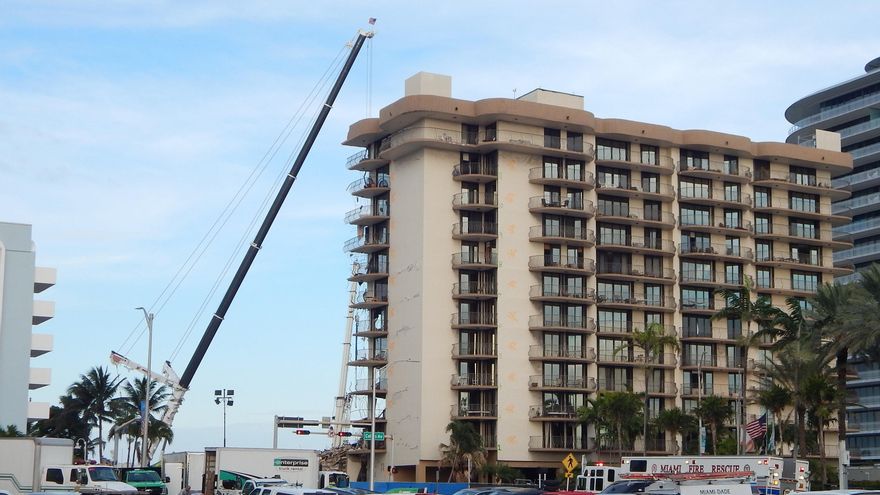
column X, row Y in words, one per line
column 145, row 428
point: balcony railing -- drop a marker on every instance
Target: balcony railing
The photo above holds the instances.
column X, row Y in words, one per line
column 859, row 177
column 655, row 387
column 364, row 384
column 794, row 179
column 660, row 161
column 800, row 260
column 425, row 134
column 637, row 300
column 623, row 356
column 357, row 158
column 793, row 230
column 715, row 167
column 865, row 151
column 366, row 183
column 562, row 174
column 584, row 206
column 536, row 140
column 836, row 111
column 474, row 198
column 562, row 321
column 377, row 210
column 362, row 241
column 370, row 326
column 474, row 411
column 474, row 318
column 859, row 226
column 558, row 443
column 475, row 289
column 561, row 261
column 615, row 385
column 468, row 258
column 475, row 228
column 868, row 200
column 371, row 355
column 562, row 352
column 741, row 252
column 635, row 270
column 691, row 223
column 617, row 211
column 702, row 359
column 636, row 242
column 553, row 411
column 699, row 303
column 562, row 232
column 475, row 349
column 688, row 389
column 371, row 296
column 562, row 381
column 809, row 285
column 474, row 380
column 613, row 326
column 483, row 168
column 566, row 291
column 663, row 189
column 371, row 268
column 715, row 195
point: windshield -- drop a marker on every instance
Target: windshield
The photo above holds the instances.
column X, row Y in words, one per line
column 627, row 487
column 339, row 480
column 102, row 474
column 143, row 476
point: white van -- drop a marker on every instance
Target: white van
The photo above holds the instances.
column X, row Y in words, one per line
column 97, row 480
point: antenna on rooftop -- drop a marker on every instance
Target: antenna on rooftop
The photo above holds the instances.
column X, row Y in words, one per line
column 514, row 93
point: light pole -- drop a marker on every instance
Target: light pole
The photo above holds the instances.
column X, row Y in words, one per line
column 226, row 397
column 146, row 418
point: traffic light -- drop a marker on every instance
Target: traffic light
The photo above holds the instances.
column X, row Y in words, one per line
column 343, row 434
column 302, row 432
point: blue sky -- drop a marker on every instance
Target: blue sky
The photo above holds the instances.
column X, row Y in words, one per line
column 126, row 127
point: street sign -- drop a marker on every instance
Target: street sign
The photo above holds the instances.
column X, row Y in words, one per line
column 569, row 475
column 569, row 463
column 380, row 436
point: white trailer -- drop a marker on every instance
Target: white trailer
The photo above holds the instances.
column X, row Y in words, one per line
column 227, row 469
column 23, row 462
column 184, row 469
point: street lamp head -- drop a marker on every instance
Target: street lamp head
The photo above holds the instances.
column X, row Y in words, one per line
column 229, row 403
column 230, row 392
column 218, row 392
column 217, row 400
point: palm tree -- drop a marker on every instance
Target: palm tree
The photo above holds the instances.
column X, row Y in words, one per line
column 715, row 411
column 775, row 399
column 821, row 397
column 465, row 447
column 10, row 431
column 739, row 305
column 129, row 406
column 674, row 421
column 64, row 421
column 95, row 394
column 652, row 341
column 616, row 415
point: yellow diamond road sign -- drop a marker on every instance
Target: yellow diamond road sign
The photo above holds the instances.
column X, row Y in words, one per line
column 569, row 463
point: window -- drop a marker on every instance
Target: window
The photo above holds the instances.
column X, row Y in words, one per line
column 803, row 202
column 491, row 131
column 649, row 154
column 653, row 238
column 612, row 177
column 609, row 291
column 574, row 170
column 614, row 321
column 552, row 138
column 574, row 316
column 731, row 165
column 607, row 149
column 764, row 278
column 732, row 219
column 694, row 159
column 653, row 295
column 733, row 273
column 694, row 271
column 732, row 246
column 575, row 198
column 734, row 381
column 651, row 318
column 614, row 207
column 552, row 225
column 695, row 188
column 762, row 224
column 697, row 299
column 803, row 228
column 574, row 141
column 732, row 192
column 805, row 281
column 650, row 182
column 696, row 215
column 764, row 250
column 552, row 315
column 697, row 326
column 734, row 328
column 802, row 176
column 693, row 242
column 653, row 211
column 762, row 197
column 654, row 266
column 699, row 354
column 734, row 356
column 552, row 196
column 614, row 234
column 552, row 167
column 809, row 255
column 469, row 133
column 762, row 170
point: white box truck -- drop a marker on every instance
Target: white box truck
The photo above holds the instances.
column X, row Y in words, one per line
column 227, row 469
column 184, row 469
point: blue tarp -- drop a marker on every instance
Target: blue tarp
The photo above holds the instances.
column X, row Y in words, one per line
column 384, row 486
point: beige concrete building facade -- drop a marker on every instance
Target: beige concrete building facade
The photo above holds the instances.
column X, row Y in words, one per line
column 507, row 249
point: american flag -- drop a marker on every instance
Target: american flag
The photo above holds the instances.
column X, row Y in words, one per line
column 758, row 427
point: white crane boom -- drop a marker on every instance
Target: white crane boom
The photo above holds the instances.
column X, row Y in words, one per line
column 168, row 377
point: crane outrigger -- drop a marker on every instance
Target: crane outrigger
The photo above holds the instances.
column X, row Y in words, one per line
column 180, row 386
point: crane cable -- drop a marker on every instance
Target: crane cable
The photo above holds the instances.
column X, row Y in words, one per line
column 231, row 207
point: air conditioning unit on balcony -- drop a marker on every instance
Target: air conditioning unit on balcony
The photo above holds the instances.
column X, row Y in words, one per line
column 534, row 383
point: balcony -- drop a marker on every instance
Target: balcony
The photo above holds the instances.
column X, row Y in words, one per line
column 562, row 177
column 365, row 386
column 636, row 216
column 622, row 271
column 368, row 214
column 578, row 354
column 474, row 261
column 475, row 320
column 689, row 390
column 474, row 201
column 709, row 279
column 562, row 264
column 741, row 228
column 474, row 290
column 475, row 350
column 715, row 197
column 715, row 251
column 667, row 389
column 856, row 205
column 367, row 244
column 798, row 233
column 558, row 444
column 525, row 142
column 624, row 328
column 866, row 101
column 788, row 286
column 37, row 410
column 806, row 262
column 363, row 162
column 410, row 139
column 475, row 231
column 661, row 192
column 479, row 172
column 473, row 381
column 368, row 272
column 370, row 299
column 562, row 382
column 576, row 294
column 562, row 234
column 701, row 305
column 663, row 165
column 857, row 181
column 813, row 213
column 579, row 208
column 636, row 302
column 626, row 357
column 41, row 343
column 859, row 229
column 44, row 278
column 370, row 328
column 370, row 357
column 369, row 187
column 43, row 311
column 638, row 245
column 800, row 183
column 39, row 378
column 553, row 412
column 474, row 411
column 710, row 334
column 858, row 254
column 615, row 385
column 543, row 323
column 708, row 169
